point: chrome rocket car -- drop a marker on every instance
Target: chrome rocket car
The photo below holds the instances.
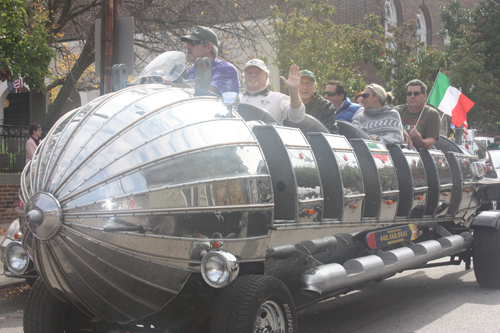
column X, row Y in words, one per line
column 164, row 209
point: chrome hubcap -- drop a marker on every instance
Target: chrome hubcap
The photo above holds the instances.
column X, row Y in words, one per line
column 44, row 215
column 270, row 318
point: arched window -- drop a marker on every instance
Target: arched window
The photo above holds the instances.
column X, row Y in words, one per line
column 391, row 18
column 421, row 27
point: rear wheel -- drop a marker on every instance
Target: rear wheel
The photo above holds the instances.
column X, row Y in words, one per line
column 254, row 303
column 486, row 257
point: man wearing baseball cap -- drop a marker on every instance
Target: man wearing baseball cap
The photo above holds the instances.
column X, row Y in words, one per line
column 316, row 105
column 201, row 43
column 277, row 104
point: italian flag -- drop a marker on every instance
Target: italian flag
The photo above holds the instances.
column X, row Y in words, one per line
column 449, row 100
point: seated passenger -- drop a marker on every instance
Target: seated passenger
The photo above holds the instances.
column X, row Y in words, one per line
column 277, row 104
column 203, row 42
column 336, row 93
column 359, row 99
column 379, row 120
column 420, row 120
column 316, row 106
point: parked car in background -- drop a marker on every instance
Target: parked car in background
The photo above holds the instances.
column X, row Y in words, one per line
column 495, row 158
column 486, row 156
column 16, row 262
column 492, row 161
column 485, row 140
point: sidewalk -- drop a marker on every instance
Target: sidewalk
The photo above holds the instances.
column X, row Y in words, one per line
column 5, row 281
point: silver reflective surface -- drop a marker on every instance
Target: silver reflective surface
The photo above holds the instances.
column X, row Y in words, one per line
column 309, row 193
column 388, row 184
column 148, row 158
column 127, row 192
column 291, row 136
column 352, row 182
column 386, row 171
column 417, row 170
column 445, row 191
column 338, row 143
column 16, row 258
column 350, row 173
column 465, row 161
column 44, row 215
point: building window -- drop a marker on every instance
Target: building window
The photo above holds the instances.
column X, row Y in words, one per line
column 421, row 27
column 446, row 37
column 391, row 18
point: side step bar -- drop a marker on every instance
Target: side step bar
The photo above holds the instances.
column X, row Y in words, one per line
column 327, row 278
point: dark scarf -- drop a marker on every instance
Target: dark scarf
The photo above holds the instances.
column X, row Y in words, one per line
column 37, row 141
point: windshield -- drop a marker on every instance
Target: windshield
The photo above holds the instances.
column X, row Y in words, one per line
column 167, row 66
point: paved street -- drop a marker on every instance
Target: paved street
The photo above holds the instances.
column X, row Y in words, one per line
column 445, row 299
column 442, row 299
column 11, row 315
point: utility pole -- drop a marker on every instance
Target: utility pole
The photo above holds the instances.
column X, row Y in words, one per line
column 109, row 45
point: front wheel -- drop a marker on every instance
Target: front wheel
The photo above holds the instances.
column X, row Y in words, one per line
column 486, row 257
column 44, row 313
column 254, row 303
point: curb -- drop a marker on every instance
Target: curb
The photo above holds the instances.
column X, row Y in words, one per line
column 14, row 284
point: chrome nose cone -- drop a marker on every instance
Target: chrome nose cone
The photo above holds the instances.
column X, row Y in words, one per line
column 44, row 216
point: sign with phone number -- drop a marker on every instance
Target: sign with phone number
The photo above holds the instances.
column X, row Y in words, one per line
column 382, row 238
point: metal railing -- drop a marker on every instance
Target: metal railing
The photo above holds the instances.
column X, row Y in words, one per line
column 12, row 147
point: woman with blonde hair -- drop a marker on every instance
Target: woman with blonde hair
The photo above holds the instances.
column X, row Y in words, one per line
column 379, row 119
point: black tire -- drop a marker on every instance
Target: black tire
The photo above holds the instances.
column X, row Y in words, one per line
column 251, row 302
column 44, row 313
column 486, row 257
column 31, row 281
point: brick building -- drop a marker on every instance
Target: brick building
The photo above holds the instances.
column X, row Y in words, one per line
column 9, row 196
column 395, row 12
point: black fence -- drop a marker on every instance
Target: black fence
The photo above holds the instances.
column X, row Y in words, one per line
column 12, row 150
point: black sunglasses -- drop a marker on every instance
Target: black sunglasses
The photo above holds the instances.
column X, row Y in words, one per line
column 365, row 95
column 415, row 93
column 195, row 42
column 329, row 93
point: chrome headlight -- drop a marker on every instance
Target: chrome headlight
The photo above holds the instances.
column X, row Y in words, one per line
column 16, row 258
column 219, row 268
column 478, row 169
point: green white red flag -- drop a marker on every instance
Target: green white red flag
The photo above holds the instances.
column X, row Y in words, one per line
column 450, row 100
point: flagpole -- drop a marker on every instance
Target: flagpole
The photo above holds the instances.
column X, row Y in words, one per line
column 421, row 113
column 430, row 92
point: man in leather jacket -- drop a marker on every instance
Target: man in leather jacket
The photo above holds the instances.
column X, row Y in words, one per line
column 316, row 105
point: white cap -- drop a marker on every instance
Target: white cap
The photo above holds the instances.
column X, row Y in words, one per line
column 257, row 63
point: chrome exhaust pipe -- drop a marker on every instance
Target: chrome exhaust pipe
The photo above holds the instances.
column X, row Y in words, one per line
column 330, row 277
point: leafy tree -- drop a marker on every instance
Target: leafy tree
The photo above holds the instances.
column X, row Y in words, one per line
column 408, row 58
column 473, row 59
column 304, row 34
column 159, row 24
column 24, row 51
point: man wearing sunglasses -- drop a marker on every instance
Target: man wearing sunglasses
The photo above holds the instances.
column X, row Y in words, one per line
column 316, row 106
column 421, row 121
column 335, row 92
column 201, row 43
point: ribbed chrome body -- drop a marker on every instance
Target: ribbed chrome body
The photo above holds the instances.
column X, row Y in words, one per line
column 152, row 159
column 125, row 195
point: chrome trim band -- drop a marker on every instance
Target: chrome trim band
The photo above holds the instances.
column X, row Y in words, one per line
column 101, row 213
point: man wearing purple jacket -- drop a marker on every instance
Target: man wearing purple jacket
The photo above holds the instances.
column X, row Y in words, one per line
column 201, row 43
